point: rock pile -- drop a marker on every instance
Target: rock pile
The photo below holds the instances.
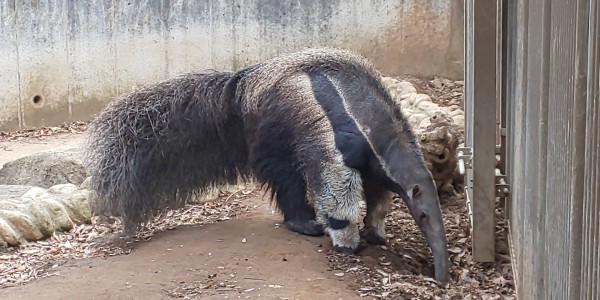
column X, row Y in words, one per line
column 30, row 213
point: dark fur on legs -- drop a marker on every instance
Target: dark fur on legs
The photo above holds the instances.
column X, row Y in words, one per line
column 274, row 164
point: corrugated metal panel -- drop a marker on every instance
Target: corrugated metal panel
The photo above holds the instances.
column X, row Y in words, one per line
column 537, row 129
column 551, row 102
column 565, row 126
column 590, row 271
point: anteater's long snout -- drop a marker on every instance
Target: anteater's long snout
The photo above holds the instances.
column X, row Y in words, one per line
column 423, row 203
column 441, row 262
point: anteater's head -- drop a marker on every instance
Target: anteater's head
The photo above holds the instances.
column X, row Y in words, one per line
column 413, row 182
column 407, row 175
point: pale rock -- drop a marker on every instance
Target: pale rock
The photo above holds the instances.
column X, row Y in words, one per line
column 436, row 83
column 33, row 213
column 8, row 235
column 459, row 120
column 45, row 169
column 65, row 188
column 78, row 206
column 86, row 184
column 23, row 224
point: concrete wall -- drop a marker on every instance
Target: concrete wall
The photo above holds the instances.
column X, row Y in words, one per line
column 63, row 60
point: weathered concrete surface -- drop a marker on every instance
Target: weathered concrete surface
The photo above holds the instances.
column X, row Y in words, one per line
column 63, row 60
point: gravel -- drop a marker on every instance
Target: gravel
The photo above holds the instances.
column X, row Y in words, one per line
column 443, row 91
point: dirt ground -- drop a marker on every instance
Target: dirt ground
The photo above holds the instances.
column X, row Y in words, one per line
column 11, row 150
column 244, row 258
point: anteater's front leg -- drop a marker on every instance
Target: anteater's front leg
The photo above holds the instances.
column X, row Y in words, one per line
column 378, row 201
column 338, row 191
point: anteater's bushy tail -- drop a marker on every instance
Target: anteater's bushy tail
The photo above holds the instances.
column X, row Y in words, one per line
column 157, row 147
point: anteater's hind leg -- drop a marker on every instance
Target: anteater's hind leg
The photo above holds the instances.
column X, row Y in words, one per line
column 378, row 204
column 290, row 191
column 274, row 163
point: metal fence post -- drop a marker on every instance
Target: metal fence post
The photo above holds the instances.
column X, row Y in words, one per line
column 480, row 132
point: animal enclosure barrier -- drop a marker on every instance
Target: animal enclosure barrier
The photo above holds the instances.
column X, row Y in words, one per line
column 547, row 87
column 63, row 61
column 477, row 157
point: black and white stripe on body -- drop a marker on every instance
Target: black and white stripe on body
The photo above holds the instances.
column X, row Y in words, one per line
column 330, row 132
column 374, row 139
column 356, row 112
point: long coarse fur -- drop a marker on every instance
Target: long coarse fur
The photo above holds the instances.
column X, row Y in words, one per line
column 155, row 148
column 159, row 146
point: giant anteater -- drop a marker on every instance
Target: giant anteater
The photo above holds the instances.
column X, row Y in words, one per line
column 314, row 124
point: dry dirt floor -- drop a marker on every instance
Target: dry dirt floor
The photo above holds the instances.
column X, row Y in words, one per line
column 240, row 258
column 234, row 248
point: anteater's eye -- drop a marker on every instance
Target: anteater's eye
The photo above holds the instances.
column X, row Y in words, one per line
column 423, row 215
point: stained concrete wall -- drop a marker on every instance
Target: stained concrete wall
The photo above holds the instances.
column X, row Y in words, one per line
column 63, row 60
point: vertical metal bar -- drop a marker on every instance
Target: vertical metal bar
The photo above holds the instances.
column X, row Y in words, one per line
column 480, row 102
column 505, row 35
column 467, row 103
column 499, row 76
column 509, row 69
column 509, row 35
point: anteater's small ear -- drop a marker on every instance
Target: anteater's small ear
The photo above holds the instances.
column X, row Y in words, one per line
column 413, row 192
